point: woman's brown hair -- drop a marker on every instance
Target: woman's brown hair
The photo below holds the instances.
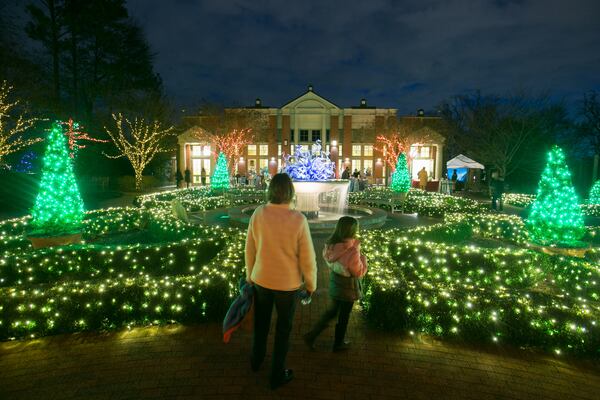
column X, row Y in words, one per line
column 281, row 189
column 346, row 228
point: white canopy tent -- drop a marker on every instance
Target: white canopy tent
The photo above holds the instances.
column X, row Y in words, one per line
column 461, row 161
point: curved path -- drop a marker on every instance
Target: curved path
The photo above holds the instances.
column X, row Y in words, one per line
column 179, row 362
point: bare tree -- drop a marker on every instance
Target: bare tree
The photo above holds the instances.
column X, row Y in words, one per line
column 506, row 133
column 395, row 138
column 11, row 132
column 139, row 141
column 589, row 130
column 230, row 129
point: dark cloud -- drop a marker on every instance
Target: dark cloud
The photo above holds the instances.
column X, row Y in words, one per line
column 396, row 53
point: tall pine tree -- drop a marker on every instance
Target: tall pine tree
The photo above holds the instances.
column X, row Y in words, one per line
column 401, row 177
column 220, row 178
column 58, row 207
column 556, row 217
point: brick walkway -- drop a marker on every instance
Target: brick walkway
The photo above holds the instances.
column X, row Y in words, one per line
column 179, row 362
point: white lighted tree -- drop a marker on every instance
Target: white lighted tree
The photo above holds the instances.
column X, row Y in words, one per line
column 12, row 127
column 139, row 141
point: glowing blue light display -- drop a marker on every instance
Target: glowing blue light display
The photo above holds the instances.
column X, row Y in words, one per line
column 306, row 165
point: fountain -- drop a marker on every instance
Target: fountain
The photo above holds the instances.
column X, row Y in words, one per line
column 313, row 174
column 319, row 196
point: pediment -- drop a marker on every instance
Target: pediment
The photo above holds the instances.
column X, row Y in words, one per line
column 430, row 135
column 310, row 100
column 194, row 134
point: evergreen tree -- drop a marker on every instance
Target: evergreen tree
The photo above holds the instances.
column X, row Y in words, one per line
column 58, row 207
column 220, row 178
column 595, row 193
column 401, row 177
column 556, row 216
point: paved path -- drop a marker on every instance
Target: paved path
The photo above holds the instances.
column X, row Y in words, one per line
column 191, row 362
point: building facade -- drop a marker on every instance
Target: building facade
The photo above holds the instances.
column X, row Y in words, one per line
column 348, row 134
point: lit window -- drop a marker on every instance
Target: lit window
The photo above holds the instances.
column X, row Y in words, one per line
column 425, row 152
column 304, row 135
column 356, row 150
column 368, row 151
column 368, row 164
column 263, row 163
column 316, row 135
column 206, row 151
column 264, row 149
column 355, row 165
column 196, row 150
column 278, row 149
column 251, row 149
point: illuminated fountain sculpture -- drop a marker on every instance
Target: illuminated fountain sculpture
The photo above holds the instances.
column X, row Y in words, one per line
column 319, row 196
column 313, row 174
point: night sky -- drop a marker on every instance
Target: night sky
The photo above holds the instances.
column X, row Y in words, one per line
column 402, row 54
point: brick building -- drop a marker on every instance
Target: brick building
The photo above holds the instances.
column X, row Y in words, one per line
column 349, row 134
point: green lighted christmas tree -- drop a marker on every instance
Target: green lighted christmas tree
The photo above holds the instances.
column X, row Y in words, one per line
column 220, row 178
column 401, row 177
column 556, row 217
column 58, row 207
column 595, row 193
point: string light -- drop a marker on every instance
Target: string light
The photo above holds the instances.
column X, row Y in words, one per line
column 556, row 217
column 595, row 194
column 139, row 144
column 58, row 206
column 11, row 139
column 401, row 177
column 220, row 178
column 75, row 135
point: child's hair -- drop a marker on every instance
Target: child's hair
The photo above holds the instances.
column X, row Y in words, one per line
column 346, row 228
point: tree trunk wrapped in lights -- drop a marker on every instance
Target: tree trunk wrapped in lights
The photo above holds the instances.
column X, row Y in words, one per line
column 58, row 207
column 555, row 217
column 11, row 137
column 140, row 143
column 220, row 178
column 401, row 177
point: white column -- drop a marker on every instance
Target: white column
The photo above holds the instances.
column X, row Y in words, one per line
column 324, row 116
column 182, row 157
column 439, row 167
column 293, row 125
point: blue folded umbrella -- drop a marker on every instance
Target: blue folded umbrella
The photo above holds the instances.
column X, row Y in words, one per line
column 237, row 311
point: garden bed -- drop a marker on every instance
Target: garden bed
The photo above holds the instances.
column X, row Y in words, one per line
column 178, row 273
column 434, row 280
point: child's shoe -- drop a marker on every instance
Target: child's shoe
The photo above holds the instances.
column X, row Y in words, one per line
column 344, row 346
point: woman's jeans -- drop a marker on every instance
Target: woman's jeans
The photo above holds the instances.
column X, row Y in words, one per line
column 285, row 304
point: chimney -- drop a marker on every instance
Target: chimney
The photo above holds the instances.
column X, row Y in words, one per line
column 258, row 103
column 363, row 102
column 420, row 112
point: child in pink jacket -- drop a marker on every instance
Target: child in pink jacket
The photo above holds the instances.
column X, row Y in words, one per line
column 347, row 265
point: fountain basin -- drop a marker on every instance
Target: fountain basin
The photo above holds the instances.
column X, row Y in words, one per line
column 309, row 199
column 368, row 218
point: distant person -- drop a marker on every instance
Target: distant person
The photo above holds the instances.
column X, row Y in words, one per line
column 203, row 177
column 346, row 173
column 497, row 191
column 188, row 177
column 276, row 267
column 346, row 267
column 178, row 177
column 356, row 174
column 454, row 176
column 423, row 178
